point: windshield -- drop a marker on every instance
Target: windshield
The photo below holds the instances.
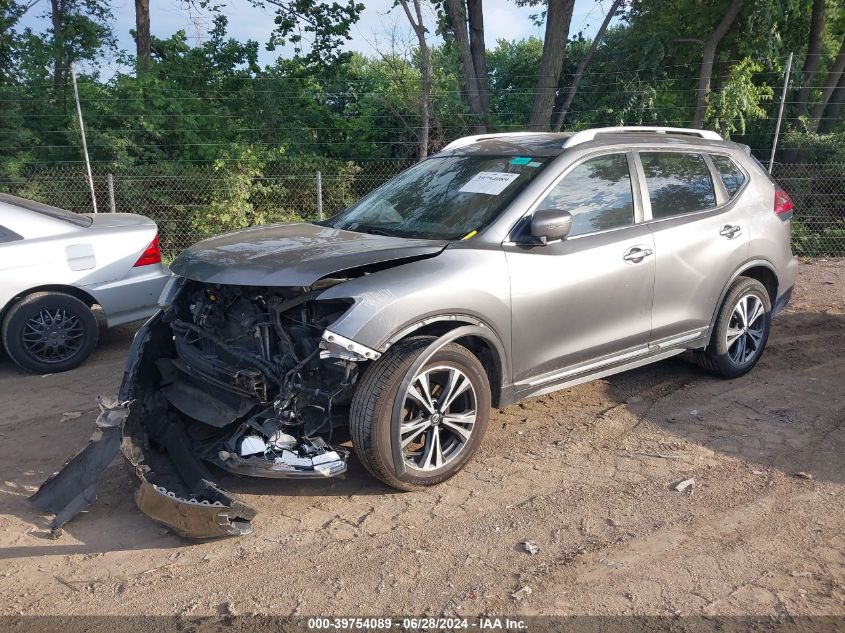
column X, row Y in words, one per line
column 443, row 198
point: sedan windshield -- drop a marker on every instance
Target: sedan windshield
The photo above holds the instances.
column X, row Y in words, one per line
column 442, row 198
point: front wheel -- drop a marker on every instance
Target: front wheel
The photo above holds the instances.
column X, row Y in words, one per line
column 741, row 330
column 444, row 413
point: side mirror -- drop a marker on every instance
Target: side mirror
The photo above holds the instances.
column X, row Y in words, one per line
column 550, row 225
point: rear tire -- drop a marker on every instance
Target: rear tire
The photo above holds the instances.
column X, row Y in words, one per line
column 438, row 447
column 741, row 330
column 49, row 332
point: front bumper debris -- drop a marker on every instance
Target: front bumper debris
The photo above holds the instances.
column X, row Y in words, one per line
column 194, row 519
column 206, row 512
column 73, row 488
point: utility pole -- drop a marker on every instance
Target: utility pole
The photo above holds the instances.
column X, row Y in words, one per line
column 319, row 195
column 780, row 111
column 111, row 193
column 84, row 143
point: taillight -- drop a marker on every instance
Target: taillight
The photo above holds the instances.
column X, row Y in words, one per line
column 783, row 203
column 151, row 254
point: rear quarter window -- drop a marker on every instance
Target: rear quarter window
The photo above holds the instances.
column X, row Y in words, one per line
column 8, row 235
column 731, row 175
column 677, row 183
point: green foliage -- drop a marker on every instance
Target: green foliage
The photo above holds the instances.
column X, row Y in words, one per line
column 236, row 191
column 817, row 148
column 828, row 242
column 327, row 23
column 513, row 66
column 738, row 101
column 210, row 113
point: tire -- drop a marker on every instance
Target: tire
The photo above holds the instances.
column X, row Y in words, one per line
column 738, row 358
column 372, row 410
column 48, row 314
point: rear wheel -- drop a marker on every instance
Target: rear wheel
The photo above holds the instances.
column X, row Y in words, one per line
column 444, row 414
column 49, row 332
column 741, row 330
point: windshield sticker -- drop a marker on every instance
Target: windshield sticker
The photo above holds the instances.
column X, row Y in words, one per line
column 520, row 160
column 534, row 163
column 489, row 182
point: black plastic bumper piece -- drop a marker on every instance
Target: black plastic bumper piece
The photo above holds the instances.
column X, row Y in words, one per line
column 199, row 510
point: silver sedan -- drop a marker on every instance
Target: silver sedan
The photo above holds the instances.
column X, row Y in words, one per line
column 56, row 265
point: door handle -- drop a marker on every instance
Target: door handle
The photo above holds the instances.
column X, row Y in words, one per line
column 636, row 254
column 730, row 232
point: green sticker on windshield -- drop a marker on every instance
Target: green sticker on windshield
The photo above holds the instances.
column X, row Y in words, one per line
column 520, row 160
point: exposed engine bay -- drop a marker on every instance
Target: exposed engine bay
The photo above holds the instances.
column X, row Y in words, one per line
column 247, row 376
column 238, row 377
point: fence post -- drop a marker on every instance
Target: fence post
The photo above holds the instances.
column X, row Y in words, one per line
column 84, row 143
column 780, row 111
column 319, row 195
column 111, row 192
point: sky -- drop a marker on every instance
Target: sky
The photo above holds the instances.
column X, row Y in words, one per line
column 502, row 20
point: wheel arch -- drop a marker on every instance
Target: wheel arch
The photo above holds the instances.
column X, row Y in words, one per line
column 73, row 291
column 760, row 269
column 478, row 337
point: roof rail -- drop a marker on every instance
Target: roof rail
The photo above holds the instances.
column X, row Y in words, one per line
column 585, row 136
column 469, row 140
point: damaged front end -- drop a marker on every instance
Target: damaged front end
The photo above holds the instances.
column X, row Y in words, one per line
column 246, row 379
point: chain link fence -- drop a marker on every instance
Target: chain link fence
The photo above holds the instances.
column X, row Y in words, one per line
column 818, row 191
column 192, row 202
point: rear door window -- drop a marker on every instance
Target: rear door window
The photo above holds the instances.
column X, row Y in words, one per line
column 597, row 193
column 677, row 183
column 731, row 175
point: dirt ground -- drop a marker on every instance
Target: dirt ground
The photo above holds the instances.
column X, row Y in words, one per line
column 587, row 474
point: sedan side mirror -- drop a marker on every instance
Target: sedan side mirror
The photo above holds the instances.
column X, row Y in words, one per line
column 548, row 225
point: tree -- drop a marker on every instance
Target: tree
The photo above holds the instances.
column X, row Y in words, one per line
column 558, row 18
column 738, row 100
column 831, row 114
column 416, row 21
column 328, row 25
column 707, row 57
column 81, row 29
column 466, row 23
column 12, row 12
column 811, row 61
column 834, row 76
column 560, row 115
column 142, row 35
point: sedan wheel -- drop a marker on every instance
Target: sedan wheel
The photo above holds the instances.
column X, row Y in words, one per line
column 49, row 332
column 53, row 336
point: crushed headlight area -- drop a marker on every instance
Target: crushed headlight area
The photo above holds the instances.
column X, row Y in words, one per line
column 238, row 378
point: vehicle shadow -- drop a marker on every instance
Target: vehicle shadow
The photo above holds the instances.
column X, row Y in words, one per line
column 788, row 415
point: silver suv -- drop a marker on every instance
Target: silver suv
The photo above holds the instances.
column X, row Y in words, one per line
column 503, row 267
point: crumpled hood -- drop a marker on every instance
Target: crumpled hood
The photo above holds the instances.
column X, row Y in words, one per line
column 292, row 254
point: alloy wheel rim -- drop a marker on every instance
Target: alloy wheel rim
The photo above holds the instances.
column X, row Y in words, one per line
column 53, row 336
column 438, row 417
column 746, row 328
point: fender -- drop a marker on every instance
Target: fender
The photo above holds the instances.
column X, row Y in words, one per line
column 428, row 353
column 751, row 263
column 483, row 331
